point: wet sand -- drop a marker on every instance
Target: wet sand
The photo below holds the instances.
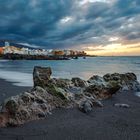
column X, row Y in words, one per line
column 107, row 123
column 7, row 89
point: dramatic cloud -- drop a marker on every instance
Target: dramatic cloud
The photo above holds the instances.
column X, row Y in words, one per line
column 70, row 23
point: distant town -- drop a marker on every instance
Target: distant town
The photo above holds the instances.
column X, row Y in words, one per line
column 11, row 52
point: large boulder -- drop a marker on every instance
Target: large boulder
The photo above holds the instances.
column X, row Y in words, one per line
column 41, row 76
column 102, row 91
column 127, row 81
column 102, row 87
column 109, row 84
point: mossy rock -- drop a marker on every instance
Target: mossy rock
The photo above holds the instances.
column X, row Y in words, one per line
column 57, row 91
column 113, row 86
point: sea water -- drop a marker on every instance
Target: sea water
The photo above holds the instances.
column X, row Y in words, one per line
column 20, row 71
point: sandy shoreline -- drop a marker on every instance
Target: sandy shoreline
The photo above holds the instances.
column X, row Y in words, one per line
column 109, row 122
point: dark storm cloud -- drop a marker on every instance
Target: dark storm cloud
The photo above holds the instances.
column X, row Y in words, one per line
column 68, row 23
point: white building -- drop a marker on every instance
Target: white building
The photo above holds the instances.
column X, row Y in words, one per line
column 25, row 51
column 67, row 52
column 7, row 50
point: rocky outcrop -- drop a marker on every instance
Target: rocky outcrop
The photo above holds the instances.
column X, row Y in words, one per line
column 109, row 84
column 31, row 105
column 100, row 88
column 126, row 81
column 50, row 93
column 41, row 76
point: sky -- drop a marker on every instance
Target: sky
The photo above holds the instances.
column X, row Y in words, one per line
column 100, row 27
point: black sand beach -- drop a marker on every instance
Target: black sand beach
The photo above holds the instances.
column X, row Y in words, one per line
column 107, row 123
column 7, row 89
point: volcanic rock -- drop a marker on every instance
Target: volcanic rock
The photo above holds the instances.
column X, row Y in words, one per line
column 50, row 93
column 78, row 82
column 41, row 76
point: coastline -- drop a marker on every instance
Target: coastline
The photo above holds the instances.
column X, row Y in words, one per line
column 11, row 56
column 84, row 68
column 109, row 122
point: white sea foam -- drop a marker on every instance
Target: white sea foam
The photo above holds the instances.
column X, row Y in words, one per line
column 4, row 60
column 17, row 78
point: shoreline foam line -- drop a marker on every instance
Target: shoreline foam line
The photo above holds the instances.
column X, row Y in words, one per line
column 17, row 78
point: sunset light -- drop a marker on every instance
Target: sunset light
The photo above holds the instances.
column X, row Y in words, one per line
column 69, row 69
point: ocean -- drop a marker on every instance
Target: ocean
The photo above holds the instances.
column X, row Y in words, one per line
column 19, row 72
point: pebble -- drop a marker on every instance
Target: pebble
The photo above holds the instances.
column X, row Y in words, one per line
column 122, row 105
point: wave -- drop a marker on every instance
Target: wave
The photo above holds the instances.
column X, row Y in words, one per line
column 4, row 60
column 17, row 78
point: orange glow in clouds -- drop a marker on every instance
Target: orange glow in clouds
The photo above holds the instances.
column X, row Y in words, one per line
column 116, row 49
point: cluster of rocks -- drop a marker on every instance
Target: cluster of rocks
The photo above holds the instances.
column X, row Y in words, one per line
column 50, row 93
